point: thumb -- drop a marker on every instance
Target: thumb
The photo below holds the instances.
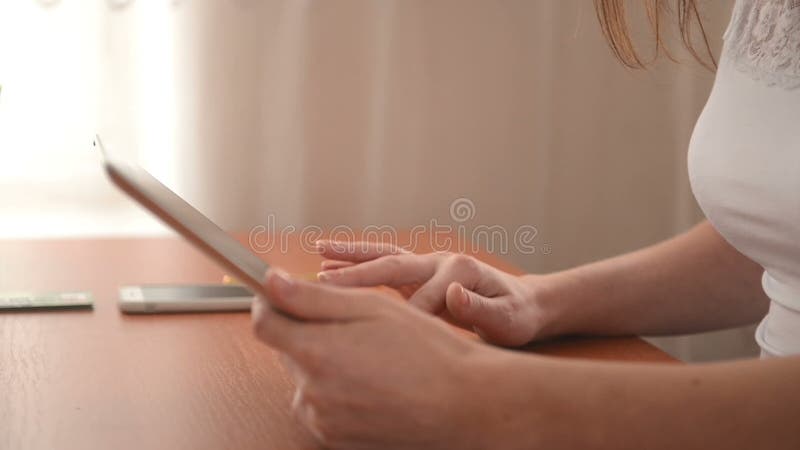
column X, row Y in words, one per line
column 485, row 315
column 303, row 300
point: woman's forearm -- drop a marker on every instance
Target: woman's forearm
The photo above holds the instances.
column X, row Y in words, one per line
column 693, row 282
column 589, row 405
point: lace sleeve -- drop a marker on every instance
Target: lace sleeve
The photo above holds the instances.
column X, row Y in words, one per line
column 763, row 40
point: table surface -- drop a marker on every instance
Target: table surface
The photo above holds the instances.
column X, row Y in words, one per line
column 101, row 379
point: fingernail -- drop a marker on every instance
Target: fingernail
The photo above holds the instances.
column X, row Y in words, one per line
column 464, row 296
column 328, row 275
column 282, row 283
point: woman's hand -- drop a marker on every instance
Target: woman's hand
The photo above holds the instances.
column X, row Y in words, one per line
column 503, row 309
column 372, row 372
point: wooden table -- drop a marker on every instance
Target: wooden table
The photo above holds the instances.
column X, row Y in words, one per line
column 99, row 379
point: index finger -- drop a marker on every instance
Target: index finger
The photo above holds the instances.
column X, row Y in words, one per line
column 357, row 251
column 394, row 271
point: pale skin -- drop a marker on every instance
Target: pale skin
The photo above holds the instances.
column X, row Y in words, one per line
column 375, row 372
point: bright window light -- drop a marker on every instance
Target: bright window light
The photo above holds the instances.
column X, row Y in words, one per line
column 66, row 74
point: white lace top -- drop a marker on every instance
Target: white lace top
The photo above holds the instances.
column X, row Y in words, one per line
column 763, row 39
column 744, row 157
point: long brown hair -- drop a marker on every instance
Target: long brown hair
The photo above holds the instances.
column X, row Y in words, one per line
column 614, row 22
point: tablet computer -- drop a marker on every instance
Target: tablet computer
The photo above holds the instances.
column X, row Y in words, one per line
column 204, row 234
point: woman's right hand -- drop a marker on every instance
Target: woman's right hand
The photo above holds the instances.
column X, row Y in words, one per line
column 502, row 308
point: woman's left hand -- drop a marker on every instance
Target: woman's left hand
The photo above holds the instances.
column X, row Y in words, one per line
column 371, row 371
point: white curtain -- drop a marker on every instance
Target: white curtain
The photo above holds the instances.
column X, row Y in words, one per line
column 385, row 111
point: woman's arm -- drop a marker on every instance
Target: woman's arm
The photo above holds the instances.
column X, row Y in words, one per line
column 694, row 282
column 372, row 372
column 561, row 404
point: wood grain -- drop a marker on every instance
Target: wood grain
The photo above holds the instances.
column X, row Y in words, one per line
column 99, row 379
